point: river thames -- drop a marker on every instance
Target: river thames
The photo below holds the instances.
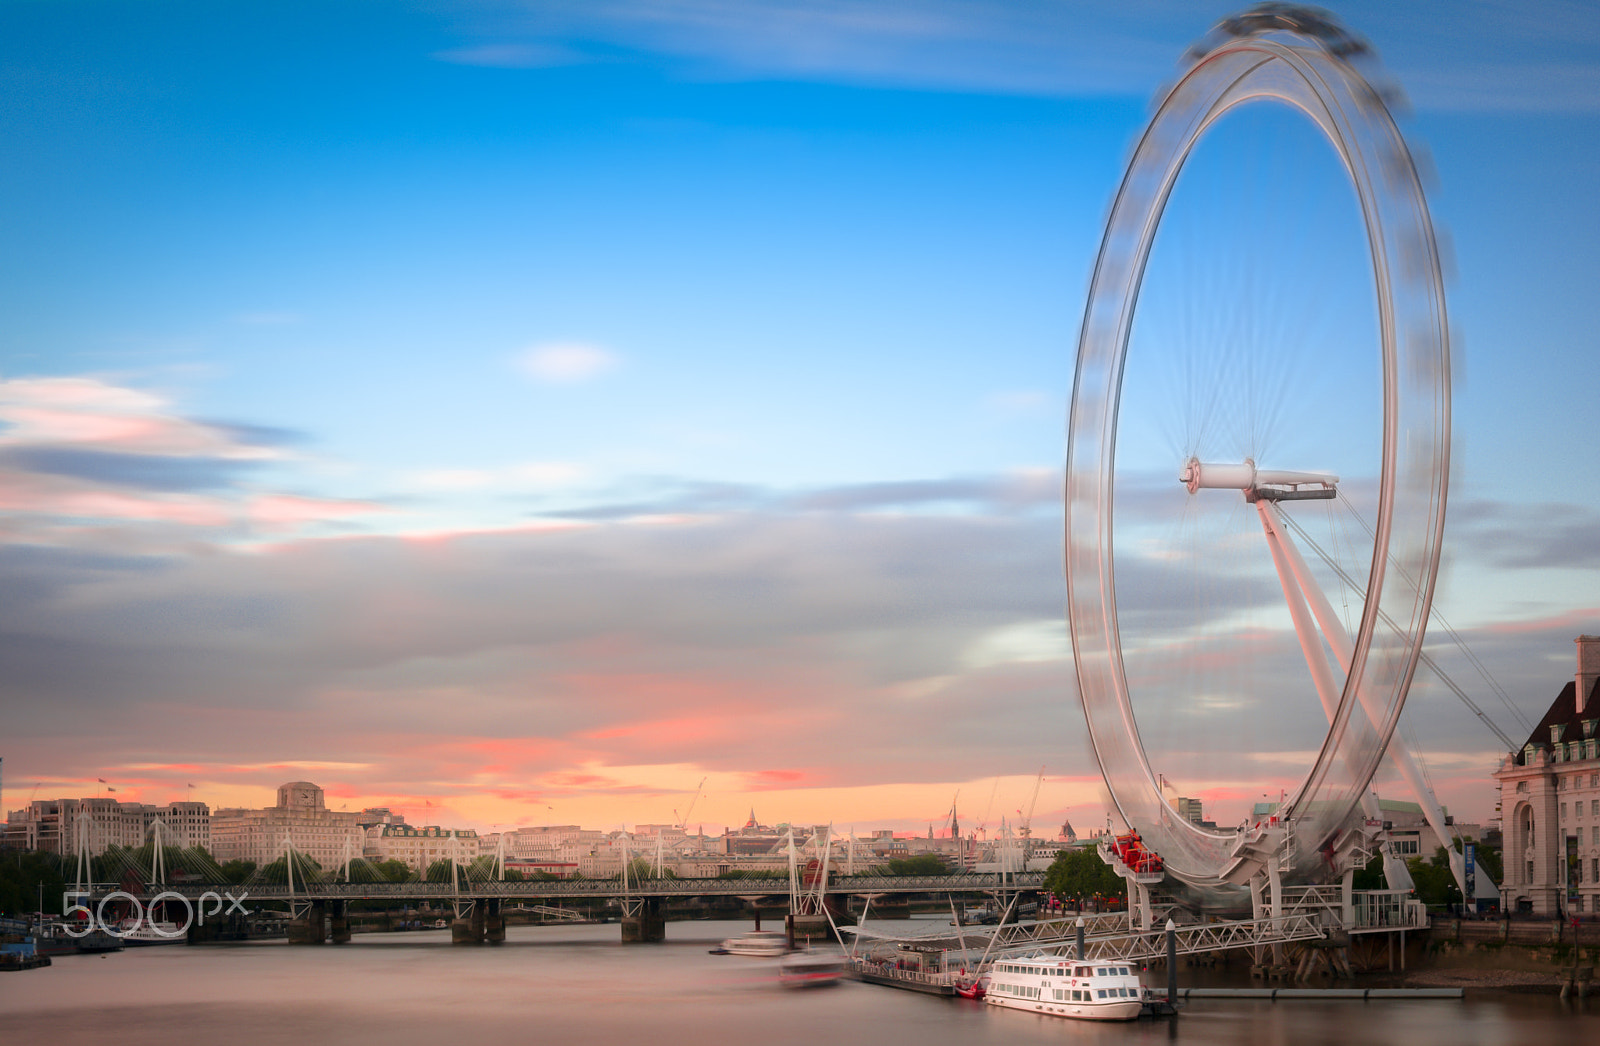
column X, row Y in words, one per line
column 580, row 984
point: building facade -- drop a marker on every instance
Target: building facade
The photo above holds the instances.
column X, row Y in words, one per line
column 92, row 826
column 419, row 848
column 301, row 819
column 1550, row 803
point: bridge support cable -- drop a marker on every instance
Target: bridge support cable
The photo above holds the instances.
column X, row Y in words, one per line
column 1433, row 666
column 1338, row 640
column 1459, row 643
column 1299, row 588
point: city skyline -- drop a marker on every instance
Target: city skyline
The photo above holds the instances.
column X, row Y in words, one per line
column 526, row 411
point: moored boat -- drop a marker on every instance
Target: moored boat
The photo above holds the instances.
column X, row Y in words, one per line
column 1074, row 988
column 141, row 932
column 976, row 988
column 919, row 966
column 17, row 951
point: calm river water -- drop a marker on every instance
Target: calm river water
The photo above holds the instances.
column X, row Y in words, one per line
column 579, row 984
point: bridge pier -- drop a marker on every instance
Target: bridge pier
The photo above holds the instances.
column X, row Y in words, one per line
column 646, row 925
column 494, row 922
column 339, row 921
column 470, row 928
column 312, row 927
column 803, row 929
column 224, row 928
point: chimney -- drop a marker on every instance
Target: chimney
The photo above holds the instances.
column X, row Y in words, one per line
column 1588, row 668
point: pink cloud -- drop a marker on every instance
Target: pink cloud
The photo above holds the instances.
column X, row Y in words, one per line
column 769, row 780
column 88, row 411
column 1573, row 621
column 23, row 492
column 288, row 511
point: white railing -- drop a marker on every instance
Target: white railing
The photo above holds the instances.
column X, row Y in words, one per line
column 1377, row 911
column 887, row 969
column 1143, row 945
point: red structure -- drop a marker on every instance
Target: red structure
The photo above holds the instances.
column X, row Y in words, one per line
column 1139, row 859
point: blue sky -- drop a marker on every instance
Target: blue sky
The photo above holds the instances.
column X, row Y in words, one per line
column 649, row 383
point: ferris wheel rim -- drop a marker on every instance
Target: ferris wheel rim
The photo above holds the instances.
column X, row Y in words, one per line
column 1299, row 69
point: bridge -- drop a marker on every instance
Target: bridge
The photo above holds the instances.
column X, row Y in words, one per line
column 317, row 909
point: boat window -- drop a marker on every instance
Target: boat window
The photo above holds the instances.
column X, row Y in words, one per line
column 1100, row 993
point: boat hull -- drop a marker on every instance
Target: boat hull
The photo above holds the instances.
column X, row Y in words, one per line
column 1121, row 1010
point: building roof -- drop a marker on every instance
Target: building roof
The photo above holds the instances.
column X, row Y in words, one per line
column 1563, row 714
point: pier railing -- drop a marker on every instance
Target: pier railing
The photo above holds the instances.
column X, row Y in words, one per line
column 1144, row 945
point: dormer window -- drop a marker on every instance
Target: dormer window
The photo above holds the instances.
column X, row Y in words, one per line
column 1588, row 727
column 1556, row 730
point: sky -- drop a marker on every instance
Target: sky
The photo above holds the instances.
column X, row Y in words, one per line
column 516, row 413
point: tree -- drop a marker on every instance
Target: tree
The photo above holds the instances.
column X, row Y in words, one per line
column 306, row 870
column 1081, row 874
column 1371, row 877
column 921, row 864
column 21, row 875
column 1436, row 884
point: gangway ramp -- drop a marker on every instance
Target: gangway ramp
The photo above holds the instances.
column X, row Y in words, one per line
column 1146, row 945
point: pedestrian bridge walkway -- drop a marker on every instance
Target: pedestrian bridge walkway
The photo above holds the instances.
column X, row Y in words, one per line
column 868, row 885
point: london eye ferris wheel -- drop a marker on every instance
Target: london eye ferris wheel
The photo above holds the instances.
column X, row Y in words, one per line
column 1357, row 423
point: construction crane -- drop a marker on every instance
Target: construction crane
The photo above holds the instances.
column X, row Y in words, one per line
column 684, row 820
column 1026, row 828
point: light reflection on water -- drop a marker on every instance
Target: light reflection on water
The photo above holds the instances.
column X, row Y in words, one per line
column 580, row 982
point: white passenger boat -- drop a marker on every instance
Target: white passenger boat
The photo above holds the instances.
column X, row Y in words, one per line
column 811, row 969
column 764, row 943
column 146, row 932
column 1058, row 987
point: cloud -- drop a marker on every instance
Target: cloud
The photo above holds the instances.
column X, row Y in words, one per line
column 1016, row 491
column 84, row 452
column 1493, row 57
column 91, row 413
column 143, row 471
column 566, row 363
column 871, row 636
column 532, row 55
column 1521, row 536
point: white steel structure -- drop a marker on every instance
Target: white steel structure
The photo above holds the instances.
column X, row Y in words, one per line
column 1295, row 58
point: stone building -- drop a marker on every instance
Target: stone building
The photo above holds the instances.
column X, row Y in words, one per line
column 419, row 848
column 63, row 826
column 303, row 818
column 1550, row 803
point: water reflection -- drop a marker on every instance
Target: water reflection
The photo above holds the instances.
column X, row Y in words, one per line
column 580, row 982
